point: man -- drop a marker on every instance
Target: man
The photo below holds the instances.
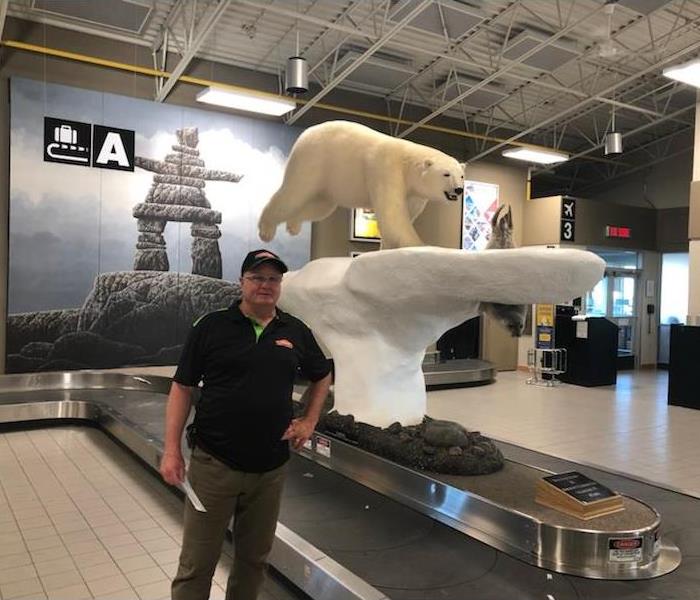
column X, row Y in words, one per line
column 247, row 357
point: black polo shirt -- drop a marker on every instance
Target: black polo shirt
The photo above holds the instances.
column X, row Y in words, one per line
column 246, row 398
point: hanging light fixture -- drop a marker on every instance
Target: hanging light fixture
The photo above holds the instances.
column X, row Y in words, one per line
column 297, row 73
column 613, row 140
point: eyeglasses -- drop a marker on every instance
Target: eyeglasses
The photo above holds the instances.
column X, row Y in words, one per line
column 260, row 279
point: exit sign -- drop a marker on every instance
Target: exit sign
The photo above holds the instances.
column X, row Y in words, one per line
column 613, row 231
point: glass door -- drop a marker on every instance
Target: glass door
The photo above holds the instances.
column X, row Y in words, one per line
column 623, row 302
column 615, row 297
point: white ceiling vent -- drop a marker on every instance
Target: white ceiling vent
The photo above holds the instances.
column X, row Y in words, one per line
column 123, row 15
column 481, row 98
column 376, row 72
column 549, row 58
column 457, row 18
column 643, row 6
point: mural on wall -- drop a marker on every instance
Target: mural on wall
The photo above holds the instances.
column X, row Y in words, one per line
column 479, row 205
column 115, row 246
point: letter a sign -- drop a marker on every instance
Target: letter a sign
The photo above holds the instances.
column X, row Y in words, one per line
column 69, row 142
column 112, row 148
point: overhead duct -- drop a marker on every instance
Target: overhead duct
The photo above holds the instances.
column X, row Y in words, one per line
column 377, row 72
column 458, row 18
column 481, row 98
column 125, row 15
column 549, row 58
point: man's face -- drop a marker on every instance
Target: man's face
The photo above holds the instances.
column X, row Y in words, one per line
column 261, row 286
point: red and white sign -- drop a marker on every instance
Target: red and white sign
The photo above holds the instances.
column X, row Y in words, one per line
column 323, row 446
column 625, row 549
column 615, row 231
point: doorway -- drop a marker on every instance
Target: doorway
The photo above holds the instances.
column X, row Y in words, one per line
column 615, row 297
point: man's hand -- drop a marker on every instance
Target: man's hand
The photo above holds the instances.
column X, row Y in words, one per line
column 299, row 431
column 172, row 468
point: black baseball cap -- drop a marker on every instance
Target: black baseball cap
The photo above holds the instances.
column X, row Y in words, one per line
column 258, row 257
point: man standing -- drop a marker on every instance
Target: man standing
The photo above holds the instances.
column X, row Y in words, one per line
column 247, row 357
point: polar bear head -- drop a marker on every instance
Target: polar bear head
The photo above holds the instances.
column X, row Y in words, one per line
column 438, row 177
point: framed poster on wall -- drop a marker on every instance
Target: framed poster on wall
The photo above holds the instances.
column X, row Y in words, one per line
column 478, row 206
column 363, row 226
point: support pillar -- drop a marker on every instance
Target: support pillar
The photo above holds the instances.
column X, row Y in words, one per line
column 694, row 230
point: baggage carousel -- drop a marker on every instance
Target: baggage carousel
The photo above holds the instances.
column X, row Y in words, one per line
column 459, row 372
column 355, row 526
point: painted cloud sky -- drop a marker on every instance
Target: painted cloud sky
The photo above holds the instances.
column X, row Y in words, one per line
column 68, row 223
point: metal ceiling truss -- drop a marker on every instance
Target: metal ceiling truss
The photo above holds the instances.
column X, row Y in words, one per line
column 599, row 97
column 675, row 57
column 599, row 183
column 195, row 29
column 453, row 60
column 3, row 13
column 338, row 79
column 354, row 31
column 622, row 168
column 498, row 73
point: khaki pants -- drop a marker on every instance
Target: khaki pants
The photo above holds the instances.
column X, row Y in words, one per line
column 253, row 499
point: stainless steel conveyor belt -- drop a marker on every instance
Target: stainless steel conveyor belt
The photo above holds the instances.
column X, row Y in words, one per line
column 339, row 539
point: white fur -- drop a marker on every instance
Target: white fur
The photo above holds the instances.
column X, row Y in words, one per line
column 338, row 163
column 378, row 312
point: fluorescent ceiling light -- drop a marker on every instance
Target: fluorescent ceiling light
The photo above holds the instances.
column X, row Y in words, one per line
column 687, row 73
column 247, row 101
column 544, row 157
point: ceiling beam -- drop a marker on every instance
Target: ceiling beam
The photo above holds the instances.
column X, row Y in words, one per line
column 503, row 70
column 448, row 53
column 359, row 61
column 676, row 56
column 646, row 165
column 204, row 27
column 3, row 15
column 443, row 54
column 167, row 25
column 639, row 129
column 280, row 10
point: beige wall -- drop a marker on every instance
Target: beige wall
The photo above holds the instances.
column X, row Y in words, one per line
column 542, row 221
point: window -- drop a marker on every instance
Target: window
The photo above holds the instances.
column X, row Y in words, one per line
column 597, row 299
column 623, row 296
column 674, row 288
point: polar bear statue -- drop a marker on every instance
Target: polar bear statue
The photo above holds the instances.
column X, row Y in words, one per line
column 339, row 163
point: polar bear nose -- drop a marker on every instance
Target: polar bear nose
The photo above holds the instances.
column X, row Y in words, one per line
column 459, row 191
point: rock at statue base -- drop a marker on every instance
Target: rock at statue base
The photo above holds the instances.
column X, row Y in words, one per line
column 129, row 318
column 151, row 260
column 206, row 258
column 435, row 446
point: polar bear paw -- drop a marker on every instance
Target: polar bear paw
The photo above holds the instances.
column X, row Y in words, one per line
column 266, row 232
column 293, row 227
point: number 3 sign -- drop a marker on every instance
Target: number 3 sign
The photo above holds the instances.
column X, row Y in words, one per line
column 568, row 220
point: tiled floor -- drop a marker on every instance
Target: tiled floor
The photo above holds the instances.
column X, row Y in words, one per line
column 627, row 428
column 80, row 518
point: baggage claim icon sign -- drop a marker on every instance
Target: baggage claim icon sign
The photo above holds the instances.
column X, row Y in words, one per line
column 75, row 143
